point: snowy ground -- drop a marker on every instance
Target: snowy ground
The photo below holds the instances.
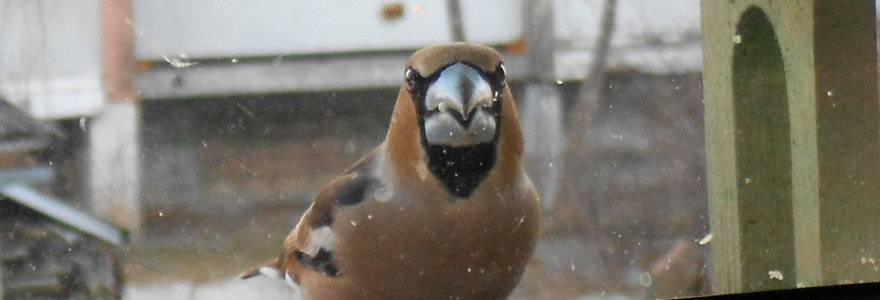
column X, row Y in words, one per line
column 256, row 288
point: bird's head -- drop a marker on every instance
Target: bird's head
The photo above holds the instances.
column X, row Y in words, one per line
column 465, row 119
column 458, row 103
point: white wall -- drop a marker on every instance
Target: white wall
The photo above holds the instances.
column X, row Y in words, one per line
column 50, row 62
column 658, row 36
column 231, row 28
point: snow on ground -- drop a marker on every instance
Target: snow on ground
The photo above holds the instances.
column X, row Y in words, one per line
column 255, row 288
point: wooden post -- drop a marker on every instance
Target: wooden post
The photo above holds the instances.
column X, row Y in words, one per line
column 541, row 101
column 114, row 153
column 792, row 142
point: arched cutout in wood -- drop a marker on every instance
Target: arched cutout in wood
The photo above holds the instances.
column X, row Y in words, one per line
column 763, row 154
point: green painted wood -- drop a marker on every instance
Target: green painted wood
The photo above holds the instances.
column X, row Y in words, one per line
column 847, row 131
column 720, row 156
column 792, row 142
column 763, row 154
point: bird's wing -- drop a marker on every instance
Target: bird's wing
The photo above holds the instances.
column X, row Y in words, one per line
column 311, row 243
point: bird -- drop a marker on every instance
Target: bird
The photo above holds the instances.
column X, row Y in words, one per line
column 441, row 209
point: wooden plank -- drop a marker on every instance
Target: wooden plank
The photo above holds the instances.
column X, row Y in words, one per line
column 541, row 103
column 795, row 34
column 720, row 155
column 847, row 132
column 39, row 284
column 810, row 208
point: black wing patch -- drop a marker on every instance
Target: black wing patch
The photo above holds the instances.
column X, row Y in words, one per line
column 321, row 262
column 323, row 218
column 354, row 190
column 351, row 189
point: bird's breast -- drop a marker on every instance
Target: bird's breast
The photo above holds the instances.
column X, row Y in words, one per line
column 423, row 242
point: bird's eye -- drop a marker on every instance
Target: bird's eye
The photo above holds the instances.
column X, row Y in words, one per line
column 410, row 76
column 500, row 74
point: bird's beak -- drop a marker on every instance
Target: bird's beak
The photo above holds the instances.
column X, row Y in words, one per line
column 459, row 108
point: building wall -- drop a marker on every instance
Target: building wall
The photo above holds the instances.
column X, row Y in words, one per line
column 210, row 156
column 50, row 62
column 209, row 29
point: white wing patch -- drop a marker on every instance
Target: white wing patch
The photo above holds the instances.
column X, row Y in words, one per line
column 321, row 237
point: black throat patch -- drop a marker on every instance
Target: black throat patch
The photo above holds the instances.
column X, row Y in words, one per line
column 461, row 169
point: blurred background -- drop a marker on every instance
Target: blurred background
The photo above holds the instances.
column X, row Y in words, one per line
column 154, row 149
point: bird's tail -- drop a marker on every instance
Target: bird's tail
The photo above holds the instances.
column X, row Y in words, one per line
column 272, row 269
column 268, row 269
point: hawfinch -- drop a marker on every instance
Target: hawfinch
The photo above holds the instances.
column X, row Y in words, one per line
column 441, row 210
